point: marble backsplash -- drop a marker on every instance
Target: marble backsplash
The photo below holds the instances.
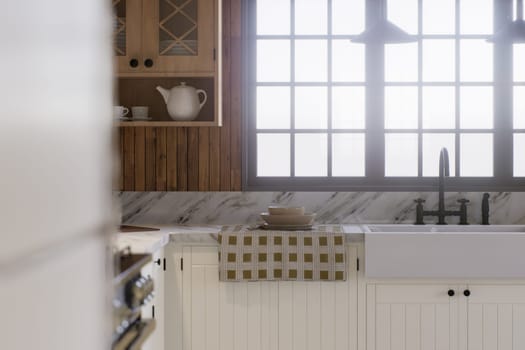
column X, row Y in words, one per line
column 331, row 207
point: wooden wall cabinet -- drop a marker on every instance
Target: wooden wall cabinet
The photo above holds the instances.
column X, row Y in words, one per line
column 166, row 42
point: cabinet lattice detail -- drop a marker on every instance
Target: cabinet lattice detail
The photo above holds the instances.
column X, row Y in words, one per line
column 178, row 27
column 119, row 27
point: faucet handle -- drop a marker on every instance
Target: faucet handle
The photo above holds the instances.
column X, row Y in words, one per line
column 463, row 201
column 419, row 201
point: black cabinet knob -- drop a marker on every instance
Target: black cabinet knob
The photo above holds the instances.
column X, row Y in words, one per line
column 157, row 261
column 466, row 292
column 134, row 63
column 451, row 293
column 148, row 62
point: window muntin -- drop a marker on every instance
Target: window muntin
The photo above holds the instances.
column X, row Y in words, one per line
column 438, row 91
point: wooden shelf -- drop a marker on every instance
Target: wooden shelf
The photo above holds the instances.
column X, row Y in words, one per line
column 163, row 123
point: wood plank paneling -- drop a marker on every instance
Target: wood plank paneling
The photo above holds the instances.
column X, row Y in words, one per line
column 188, row 158
column 151, row 184
column 182, row 158
column 193, row 159
column 171, row 159
column 160, row 159
column 140, row 159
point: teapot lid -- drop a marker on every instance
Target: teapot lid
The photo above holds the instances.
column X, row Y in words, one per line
column 182, row 83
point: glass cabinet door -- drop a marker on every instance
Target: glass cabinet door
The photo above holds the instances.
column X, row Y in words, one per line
column 179, row 35
column 127, row 18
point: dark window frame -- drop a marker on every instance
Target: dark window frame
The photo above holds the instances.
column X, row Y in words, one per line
column 502, row 179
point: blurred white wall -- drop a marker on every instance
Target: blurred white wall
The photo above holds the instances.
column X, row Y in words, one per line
column 55, row 173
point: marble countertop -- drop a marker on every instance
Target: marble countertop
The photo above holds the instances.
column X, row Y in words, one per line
column 151, row 241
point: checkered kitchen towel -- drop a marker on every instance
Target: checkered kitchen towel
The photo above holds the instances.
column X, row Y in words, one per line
column 282, row 255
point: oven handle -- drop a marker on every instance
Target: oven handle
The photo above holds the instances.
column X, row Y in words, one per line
column 146, row 327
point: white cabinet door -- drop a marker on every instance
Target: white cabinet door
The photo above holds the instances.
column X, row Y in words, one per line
column 263, row 315
column 495, row 317
column 412, row 317
column 155, row 308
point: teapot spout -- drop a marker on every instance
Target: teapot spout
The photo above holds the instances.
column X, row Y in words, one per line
column 164, row 92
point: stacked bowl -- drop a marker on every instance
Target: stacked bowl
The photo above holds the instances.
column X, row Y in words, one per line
column 287, row 218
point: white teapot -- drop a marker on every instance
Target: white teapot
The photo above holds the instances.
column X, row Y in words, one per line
column 183, row 101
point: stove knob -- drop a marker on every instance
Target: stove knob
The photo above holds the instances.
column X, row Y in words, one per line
column 139, row 283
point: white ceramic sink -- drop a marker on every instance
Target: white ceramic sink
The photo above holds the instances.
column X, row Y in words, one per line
column 447, row 251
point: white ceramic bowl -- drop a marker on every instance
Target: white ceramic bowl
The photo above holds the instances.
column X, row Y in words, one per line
column 305, row 219
column 276, row 210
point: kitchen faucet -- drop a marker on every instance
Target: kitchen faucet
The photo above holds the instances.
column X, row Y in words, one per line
column 442, row 213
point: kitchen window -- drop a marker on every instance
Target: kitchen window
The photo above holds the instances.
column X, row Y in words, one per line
column 326, row 113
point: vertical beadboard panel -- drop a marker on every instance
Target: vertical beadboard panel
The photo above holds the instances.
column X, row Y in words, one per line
column 204, row 159
column 274, row 315
column 397, row 319
column 382, row 327
column 240, row 316
column 182, row 159
column 475, row 326
column 285, row 315
column 215, row 159
column 371, row 317
column 129, row 158
column 518, row 320
column 187, row 301
column 443, row 326
column 327, row 315
column 505, row 327
column 226, row 325
column 160, row 159
column 193, row 159
column 212, row 307
column 428, row 327
column 413, row 326
column 199, row 330
column 254, row 316
column 300, row 315
column 345, row 335
column 171, row 160
column 140, row 159
column 490, row 326
column 314, row 315
column 151, row 181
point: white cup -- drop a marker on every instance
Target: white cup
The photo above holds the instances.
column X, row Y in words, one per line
column 139, row 112
column 119, row 111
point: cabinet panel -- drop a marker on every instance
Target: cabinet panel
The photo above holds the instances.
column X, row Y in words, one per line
column 179, row 35
column 265, row 315
column 495, row 317
column 411, row 317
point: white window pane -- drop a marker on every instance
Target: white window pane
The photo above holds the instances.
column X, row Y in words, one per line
column 273, row 17
column 311, row 107
column 476, row 16
column 348, row 107
column 273, row 107
column 311, row 16
column 401, row 107
column 348, row 61
column 439, row 16
column 519, row 62
column 311, row 155
column 439, row 107
column 439, row 60
column 273, row 60
column 403, row 13
column 519, row 107
column 519, row 154
column 475, row 107
column 310, row 60
column 432, row 145
column 348, row 16
column 401, row 155
column 401, row 62
column 476, row 60
column 273, row 155
column 348, row 155
column 476, row 156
